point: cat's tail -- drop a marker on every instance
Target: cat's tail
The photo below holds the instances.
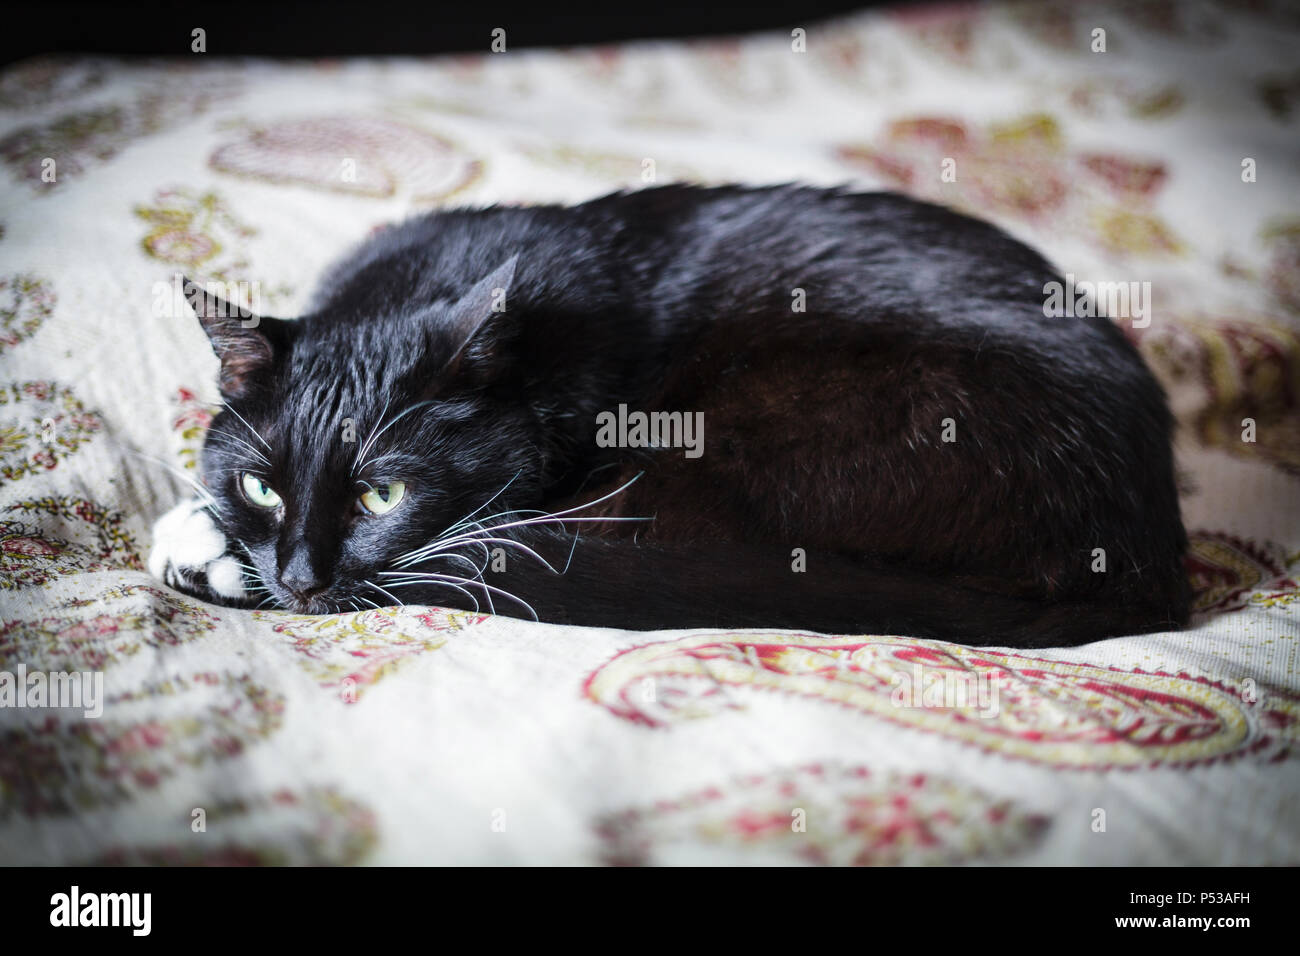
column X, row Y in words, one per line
column 616, row 583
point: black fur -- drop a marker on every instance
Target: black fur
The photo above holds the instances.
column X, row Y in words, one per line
column 823, row 429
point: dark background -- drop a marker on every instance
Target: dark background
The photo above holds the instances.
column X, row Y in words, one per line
column 359, row 27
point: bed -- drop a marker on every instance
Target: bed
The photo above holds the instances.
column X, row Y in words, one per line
column 1162, row 150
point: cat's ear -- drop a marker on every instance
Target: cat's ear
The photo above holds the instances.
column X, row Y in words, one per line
column 489, row 298
column 244, row 342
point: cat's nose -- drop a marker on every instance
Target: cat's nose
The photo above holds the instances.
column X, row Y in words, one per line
column 303, row 590
column 299, row 579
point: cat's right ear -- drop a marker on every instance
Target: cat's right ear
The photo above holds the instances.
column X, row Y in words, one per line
column 473, row 318
column 244, row 342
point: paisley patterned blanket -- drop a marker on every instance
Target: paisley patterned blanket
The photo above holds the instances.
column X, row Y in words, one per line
column 1136, row 142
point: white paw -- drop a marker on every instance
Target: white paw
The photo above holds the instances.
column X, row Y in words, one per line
column 190, row 553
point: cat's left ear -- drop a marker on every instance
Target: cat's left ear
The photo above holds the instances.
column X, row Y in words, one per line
column 489, row 298
column 245, row 343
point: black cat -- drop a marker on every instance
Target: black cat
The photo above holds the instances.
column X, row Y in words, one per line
column 876, row 430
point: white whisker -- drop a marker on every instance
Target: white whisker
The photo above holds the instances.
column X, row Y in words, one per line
column 483, row 505
column 443, row 580
column 202, row 492
column 361, row 452
column 255, row 432
column 360, row 462
column 216, row 440
column 385, row 593
column 510, row 542
column 411, row 577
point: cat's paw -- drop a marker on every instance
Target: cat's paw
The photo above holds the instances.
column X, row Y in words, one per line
column 191, row 554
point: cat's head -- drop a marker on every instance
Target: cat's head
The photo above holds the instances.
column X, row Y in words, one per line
column 346, row 442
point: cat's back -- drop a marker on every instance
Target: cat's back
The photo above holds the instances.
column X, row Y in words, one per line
column 681, row 254
column 440, row 255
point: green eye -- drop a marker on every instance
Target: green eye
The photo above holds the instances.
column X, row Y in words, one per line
column 260, row 493
column 382, row 499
